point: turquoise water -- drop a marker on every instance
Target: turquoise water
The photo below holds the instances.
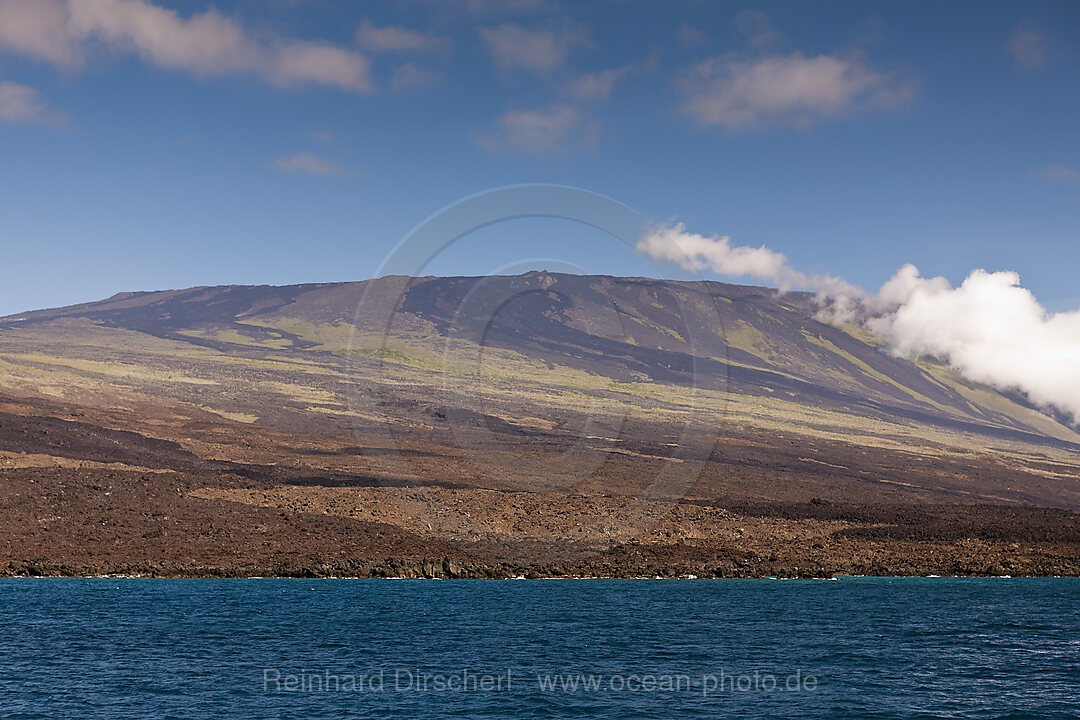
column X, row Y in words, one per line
column 853, row 648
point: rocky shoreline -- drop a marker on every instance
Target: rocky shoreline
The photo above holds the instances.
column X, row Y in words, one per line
column 449, row 569
column 82, row 498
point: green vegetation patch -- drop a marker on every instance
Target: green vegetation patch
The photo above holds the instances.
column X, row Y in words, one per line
column 748, row 338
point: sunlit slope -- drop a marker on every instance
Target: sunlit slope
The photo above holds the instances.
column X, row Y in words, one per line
column 587, row 333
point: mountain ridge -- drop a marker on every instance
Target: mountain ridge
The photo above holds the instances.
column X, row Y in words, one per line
column 621, row 328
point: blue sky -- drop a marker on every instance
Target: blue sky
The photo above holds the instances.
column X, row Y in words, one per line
column 149, row 145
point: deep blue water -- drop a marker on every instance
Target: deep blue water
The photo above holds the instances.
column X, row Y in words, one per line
column 853, row 648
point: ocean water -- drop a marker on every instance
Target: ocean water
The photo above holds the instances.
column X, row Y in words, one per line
column 852, row 648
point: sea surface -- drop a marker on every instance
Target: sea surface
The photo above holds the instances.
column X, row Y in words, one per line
column 849, row 648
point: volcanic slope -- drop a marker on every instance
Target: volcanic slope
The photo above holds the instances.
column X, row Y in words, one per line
column 573, row 423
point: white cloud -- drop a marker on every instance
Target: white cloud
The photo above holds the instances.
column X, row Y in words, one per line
column 23, row 104
column 310, row 163
column 596, row 86
column 903, row 285
column 39, row 30
column 63, row 32
column 394, row 38
column 538, row 131
column 300, row 63
column 790, row 89
column 699, row 252
column 540, row 51
column 1029, row 48
column 991, row 330
column 207, row 43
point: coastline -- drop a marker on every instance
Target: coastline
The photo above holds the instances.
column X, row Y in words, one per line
column 447, row 569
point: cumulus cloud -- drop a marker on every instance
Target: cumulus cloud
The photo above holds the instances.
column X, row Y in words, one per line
column 394, row 38
column 23, row 104
column 596, row 86
column 1029, row 48
column 903, row 285
column 206, row 43
column 541, row 51
column 538, row 131
column 790, row 89
column 309, row 162
column 64, row 32
column 298, row 63
column 39, row 30
column 674, row 243
column 990, row 329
